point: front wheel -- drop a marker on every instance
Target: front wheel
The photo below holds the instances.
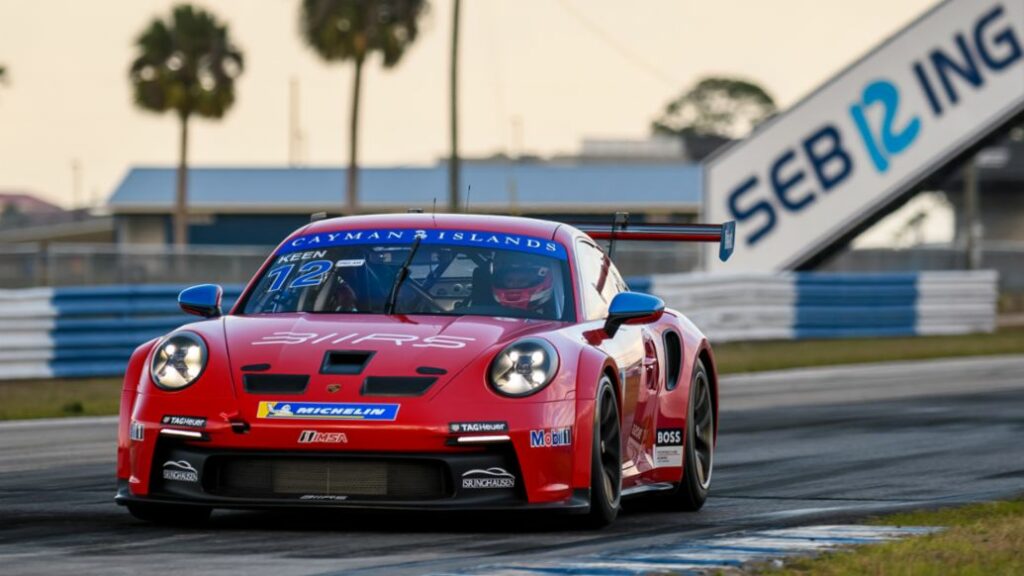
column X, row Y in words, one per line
column 606, row 458
column 698, row 445
column 169, row 514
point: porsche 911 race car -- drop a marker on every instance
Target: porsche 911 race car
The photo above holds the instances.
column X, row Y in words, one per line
column 420, row 361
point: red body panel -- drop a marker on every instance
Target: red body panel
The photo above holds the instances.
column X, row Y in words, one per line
column 463, row 347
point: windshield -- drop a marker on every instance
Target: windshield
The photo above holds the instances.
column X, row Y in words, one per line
column 452, row 272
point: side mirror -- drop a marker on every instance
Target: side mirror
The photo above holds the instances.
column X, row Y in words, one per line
column 632, row 308
column 202, row 300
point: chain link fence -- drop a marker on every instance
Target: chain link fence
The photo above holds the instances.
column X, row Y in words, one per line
column 1006, row 257
column 26, row 265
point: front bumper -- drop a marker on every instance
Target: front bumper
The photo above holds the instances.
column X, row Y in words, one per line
column 416, row 463
column 223, row 478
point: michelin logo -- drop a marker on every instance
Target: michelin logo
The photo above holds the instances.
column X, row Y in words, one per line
column 327, row 411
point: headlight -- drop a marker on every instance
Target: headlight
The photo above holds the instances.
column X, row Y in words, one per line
column 178, row 361
column 524, row 367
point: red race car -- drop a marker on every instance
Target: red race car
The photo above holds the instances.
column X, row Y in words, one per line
column 420, row 361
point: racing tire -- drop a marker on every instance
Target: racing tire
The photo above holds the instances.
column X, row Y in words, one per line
column 698, row 444
column 606, row 458
column 168, row 514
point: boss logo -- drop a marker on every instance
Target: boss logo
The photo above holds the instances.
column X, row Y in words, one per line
column 670, row 437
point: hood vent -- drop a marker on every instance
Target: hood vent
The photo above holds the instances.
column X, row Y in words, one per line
column 345, row 362
column 396, row 385
column 275, row 383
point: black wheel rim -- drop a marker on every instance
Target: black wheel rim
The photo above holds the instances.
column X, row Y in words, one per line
column 704, row 430
column 610, row 449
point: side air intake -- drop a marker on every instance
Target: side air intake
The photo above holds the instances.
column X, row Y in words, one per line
column 275, row 383
column 397, row 385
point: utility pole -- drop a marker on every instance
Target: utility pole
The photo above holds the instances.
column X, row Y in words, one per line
column 972, row 244
column 76, row 186
column 294, row 130
column 453, row 161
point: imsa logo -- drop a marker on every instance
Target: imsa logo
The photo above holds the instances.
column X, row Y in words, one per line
column 552, row 438
column 315, row 437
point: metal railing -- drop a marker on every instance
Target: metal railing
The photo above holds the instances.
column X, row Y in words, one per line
column 33, row 265
column 25, row 265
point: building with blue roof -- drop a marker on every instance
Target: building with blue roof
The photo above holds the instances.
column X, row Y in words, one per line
column 258, row 206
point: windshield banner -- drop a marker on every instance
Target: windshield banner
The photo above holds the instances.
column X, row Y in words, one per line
column 496, row 240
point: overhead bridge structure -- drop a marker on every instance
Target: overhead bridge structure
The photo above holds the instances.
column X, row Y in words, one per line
column 811, row 179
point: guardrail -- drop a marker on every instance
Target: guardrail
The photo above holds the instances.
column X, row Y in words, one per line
column 832, row 305
column 91, row 331
column 83, row 332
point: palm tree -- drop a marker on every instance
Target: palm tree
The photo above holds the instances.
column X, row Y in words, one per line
column 342, row 30
column 187, row 65
column 453, row 111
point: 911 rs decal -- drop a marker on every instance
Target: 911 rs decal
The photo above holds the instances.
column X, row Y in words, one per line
column 326, row 411
column 441, row 341
column 668, row 447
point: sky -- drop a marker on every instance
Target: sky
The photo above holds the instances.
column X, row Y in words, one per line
column 560, row 69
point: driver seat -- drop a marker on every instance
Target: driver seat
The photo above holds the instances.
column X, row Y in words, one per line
column 482, row 291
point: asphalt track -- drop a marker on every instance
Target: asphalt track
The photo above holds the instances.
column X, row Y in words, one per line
column 796, row 447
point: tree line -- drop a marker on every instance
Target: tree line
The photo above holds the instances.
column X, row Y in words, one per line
column 187, row 64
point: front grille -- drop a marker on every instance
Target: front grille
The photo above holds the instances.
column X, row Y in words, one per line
column 353, row 478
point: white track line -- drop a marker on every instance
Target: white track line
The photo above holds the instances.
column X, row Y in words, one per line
column 711, row 554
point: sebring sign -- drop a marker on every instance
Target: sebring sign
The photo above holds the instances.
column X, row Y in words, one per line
column 828, row 164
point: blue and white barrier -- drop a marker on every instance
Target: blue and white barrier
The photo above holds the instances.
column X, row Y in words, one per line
column 81, row 332
column 832, row 305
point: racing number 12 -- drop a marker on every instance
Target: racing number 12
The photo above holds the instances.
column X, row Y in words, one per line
column 311, row 274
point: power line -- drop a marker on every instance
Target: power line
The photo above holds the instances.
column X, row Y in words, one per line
column 623, row 51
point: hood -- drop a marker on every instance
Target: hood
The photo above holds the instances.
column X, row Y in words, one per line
column 346, row 349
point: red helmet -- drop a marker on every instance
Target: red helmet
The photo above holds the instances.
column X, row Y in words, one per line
column 519, row 281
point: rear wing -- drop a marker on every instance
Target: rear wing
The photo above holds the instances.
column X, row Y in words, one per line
column 621, row 229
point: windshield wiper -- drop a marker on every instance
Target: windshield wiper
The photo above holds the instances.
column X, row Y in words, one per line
column 400, row 276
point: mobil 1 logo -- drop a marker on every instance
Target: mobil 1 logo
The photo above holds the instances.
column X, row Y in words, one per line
column 668, row 447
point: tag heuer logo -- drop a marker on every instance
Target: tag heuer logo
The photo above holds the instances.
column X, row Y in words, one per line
column 477, row 427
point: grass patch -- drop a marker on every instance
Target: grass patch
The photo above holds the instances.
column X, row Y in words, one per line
column 55, row 398
column 979, row 539
column 735, row 357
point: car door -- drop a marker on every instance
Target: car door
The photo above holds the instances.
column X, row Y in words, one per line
column 599, row 283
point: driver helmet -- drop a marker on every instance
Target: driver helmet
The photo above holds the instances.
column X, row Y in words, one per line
column 521, row 281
